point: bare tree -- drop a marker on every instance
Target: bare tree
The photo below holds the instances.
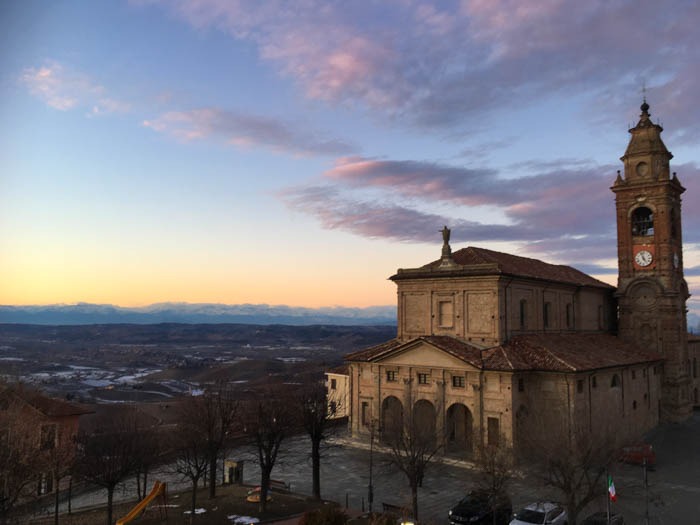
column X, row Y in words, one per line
column 495, row 464
column 571, row 460
column 148, row 454
column 315, row 417
column 19, row 461
column 214, row 415
column 268, row 423
column 412, row 448
column 107, row 458
column 60, row 458
column 191, row 459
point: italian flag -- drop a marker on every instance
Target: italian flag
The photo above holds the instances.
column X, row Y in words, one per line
column 611, row 489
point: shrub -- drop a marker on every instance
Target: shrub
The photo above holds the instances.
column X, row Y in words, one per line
column 326, row 515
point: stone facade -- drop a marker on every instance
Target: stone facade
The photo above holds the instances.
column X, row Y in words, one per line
column 652, row 291
column 337, row 393
column 493, row 347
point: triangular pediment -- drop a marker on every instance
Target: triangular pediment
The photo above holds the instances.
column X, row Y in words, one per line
column 423, row 354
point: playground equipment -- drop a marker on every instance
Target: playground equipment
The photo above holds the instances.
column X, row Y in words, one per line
column 158, row 491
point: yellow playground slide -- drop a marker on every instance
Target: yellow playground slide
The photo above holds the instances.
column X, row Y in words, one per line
column 157, row 490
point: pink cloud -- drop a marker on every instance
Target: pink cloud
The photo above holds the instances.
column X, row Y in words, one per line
column 433, row 63
column 565, row 210
column 64, row 89
column 246, row 130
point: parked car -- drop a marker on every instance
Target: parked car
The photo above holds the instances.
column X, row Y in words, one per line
column 601, row 518
column 540, row 513
column 636, row 454
column 475, row 509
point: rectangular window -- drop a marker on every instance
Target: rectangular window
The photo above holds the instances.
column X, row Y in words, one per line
column 423, row 378
column 579, row 386
column 523, row 314
column 594, row 382
column 333, row 384
column 569, row 315
column 493, row 431
column 546, row 313
column 48, row 437
column 365, row 413
column 634, row 374
column 445, row 314
column 391, row 376
column 458, row 381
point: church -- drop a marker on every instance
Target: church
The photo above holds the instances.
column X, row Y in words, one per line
column 491, row 347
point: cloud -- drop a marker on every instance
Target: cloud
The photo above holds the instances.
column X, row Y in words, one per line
column 435, row 63
column 541, row 201
column 64, row 89
column 564, row 210
column 246, row 130
column 374, row 219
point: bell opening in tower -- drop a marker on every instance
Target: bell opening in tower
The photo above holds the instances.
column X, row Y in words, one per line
column 642, row 222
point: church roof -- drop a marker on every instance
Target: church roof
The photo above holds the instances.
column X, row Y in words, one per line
column 480, row 261
column 537, row 352
column 566, row 353
column 646, row 136
column 456, row 347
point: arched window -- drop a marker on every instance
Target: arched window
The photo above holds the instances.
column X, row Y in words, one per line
column 642, row 221
column 615, row 383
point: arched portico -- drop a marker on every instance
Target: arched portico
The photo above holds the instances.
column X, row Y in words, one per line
column 392, row 418
column 459, row 429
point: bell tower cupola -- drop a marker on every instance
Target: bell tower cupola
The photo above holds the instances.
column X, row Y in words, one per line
column 652, row 291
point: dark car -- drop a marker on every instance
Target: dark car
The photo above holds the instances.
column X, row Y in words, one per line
column 601, row 518
column 476, row 509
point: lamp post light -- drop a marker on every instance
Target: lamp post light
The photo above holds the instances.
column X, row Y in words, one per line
column 370, row 488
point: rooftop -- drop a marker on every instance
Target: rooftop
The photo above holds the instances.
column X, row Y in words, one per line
column 541, row 352
column 480, row 261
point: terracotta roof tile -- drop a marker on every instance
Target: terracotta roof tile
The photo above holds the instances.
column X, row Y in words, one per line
column 542, row 352
column 368, row 354
column 451, row 345
column 566, row 353
column 480, row 261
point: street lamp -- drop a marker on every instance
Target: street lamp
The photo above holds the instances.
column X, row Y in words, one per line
column 370, row 488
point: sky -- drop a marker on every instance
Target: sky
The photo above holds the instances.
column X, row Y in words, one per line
column 233, row 151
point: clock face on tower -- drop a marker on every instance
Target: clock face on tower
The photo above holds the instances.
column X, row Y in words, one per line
column 643, row 258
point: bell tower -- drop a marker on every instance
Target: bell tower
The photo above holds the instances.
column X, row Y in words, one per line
column 652, row 291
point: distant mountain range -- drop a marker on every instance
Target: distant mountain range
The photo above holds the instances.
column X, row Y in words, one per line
column 85, row 313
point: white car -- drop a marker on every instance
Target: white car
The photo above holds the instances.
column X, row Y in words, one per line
column 540, row 513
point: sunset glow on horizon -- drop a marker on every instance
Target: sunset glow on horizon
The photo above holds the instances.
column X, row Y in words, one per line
column 299, row 153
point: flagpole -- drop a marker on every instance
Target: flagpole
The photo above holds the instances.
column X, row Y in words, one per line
column 607, row 493
column 646, row 492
